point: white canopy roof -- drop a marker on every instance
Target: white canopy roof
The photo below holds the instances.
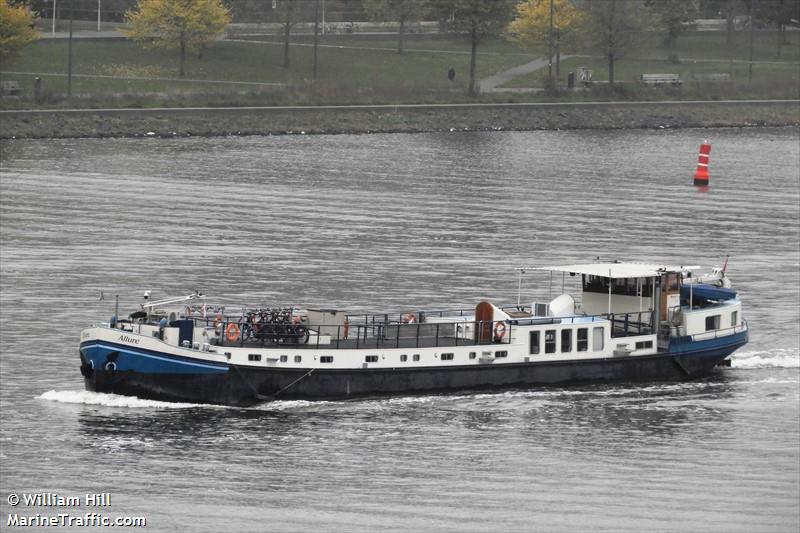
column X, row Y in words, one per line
column 617, row 270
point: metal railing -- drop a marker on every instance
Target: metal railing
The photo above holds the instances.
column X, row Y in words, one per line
column 709, row 335
column 372, row 334
column 629, row 324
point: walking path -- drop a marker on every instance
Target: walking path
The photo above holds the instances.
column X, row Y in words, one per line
column 491, row 84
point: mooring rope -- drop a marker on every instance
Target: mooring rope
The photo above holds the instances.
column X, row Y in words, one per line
column 294, row 382
column 252, row 388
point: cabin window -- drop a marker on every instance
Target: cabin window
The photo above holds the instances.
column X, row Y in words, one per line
column 472, row 355
column 371, row 358
column 566, row 340
column 501, row 353
column 403, row 358
column 254, row 357
column 597, row 339
column 534, row 342
column 326, row 359
column 447, row 357
column 583, row 339
column 550, row 341
column 284, row 358
column 734, row 318
column 298, row 358
column 641, row 345
column 416, row 357
column 712, row 322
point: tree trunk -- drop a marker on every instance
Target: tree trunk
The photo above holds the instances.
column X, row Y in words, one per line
column 611, row 69
column 401, row 34
column 729, row 28
column 558, row 60
column 672, row 40
column 183, row 57
column 316, row 40
column 472, row 89
column 287, row 29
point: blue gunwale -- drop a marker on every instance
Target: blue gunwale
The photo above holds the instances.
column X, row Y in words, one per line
column 153, row 354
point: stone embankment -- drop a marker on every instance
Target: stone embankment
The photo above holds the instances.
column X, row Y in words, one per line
column 170, row 122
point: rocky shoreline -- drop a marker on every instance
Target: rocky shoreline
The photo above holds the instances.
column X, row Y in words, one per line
column 390, row 119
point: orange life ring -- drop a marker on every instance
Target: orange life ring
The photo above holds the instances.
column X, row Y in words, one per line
column 499, row 331
column 409, row 318
column 232, row 332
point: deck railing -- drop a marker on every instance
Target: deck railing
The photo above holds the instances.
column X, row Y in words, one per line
column 391, row 334
column 708, row 335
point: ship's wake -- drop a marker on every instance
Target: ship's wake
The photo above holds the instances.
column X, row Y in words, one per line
column 775, row 358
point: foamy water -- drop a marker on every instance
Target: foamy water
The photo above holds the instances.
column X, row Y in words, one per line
column 110, row 400
column 401, row 222
column 775, row 358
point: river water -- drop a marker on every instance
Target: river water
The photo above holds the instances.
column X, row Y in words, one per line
column 400, row 222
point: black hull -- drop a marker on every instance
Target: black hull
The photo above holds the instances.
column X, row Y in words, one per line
column 247, row 385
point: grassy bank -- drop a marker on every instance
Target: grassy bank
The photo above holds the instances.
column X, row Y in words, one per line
column 350, row 70
column 366, row 69
column 388, row 119
column 774, row 75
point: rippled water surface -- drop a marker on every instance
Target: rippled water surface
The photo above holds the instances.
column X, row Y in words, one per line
column 400, row 222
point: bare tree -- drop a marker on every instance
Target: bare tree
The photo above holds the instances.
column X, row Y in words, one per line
column 477, row 19
column 403, row 11
column 615, row 26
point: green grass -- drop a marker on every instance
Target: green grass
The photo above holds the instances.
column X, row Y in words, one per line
column 367, row 69
column 359, row 71
column 773, row 75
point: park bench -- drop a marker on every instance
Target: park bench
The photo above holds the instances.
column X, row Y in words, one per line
column 661, row 79
column 10, row 88
column 711, row 76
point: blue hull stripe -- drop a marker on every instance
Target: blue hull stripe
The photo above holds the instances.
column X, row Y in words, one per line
column 708, row 347
column 147, row 361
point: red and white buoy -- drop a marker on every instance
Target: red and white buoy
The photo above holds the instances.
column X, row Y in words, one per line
column 701, row 174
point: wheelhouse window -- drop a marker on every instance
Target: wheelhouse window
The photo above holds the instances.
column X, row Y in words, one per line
column 622, row 286
column 583, row 339
column 371, row 358
column 597, row 339
column 326, row 359
column 550, row 341
column 734, row 318
column 712, row 322
column 566, row 340
column 535, row 342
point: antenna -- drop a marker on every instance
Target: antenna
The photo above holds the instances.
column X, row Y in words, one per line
column 725, row 265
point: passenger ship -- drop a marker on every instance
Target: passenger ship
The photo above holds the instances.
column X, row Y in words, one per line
column 625, row 322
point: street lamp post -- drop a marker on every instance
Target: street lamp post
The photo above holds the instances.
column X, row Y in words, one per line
column 69, row 58
column 316, row 38
column 550, row 43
